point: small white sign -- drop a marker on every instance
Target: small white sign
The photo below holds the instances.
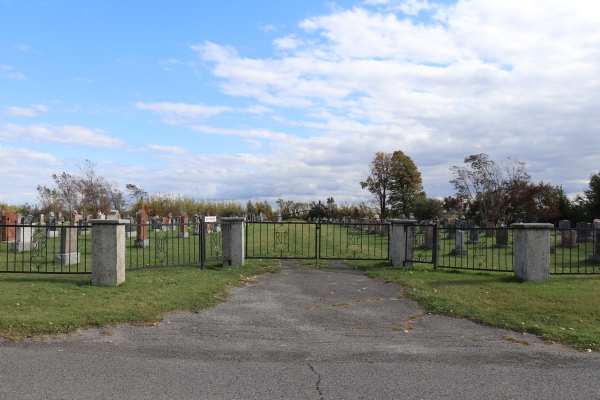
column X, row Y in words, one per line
column 210, row 219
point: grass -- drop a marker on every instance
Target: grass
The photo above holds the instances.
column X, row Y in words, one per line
column 33, row 304
column 565, row 309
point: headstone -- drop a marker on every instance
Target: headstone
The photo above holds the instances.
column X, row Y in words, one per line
column 24, row 236
column 142, row 239
column 42, row 220
column 564, row 224
column 51, row 226
column 113, row 215
column 60, row 218
column 170, row 222
column 9, row 233
column 183, row 226
column 196, row 224
column 130, row 228
column 489, row 231
column 460, row 249
column 430, row 233
column 502, row 238
column 68, row 247
column 156, row 224
column 569, row 238
column 82, row 227
column 76, row 219
column 473, row 235
column 596, row 255
column 596, row 228
column 584, row 232
column 165, row 223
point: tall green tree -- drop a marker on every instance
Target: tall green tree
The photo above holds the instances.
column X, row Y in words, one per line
column 378, row 180
column 406, row 185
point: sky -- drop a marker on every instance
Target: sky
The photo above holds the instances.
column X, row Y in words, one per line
column 238, row 100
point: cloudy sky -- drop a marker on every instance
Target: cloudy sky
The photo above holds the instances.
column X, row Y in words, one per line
column 234, row 99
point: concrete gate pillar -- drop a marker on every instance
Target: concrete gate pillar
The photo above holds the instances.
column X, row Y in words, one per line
column 402, row 241
column 233, row 241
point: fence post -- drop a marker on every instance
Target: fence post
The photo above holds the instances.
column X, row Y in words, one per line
column 233, row 241
column 108, row 251
column 402, row 241
column 532, row 251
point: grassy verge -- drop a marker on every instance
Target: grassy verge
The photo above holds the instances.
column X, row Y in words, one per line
column 34, row 304
column 565, row 309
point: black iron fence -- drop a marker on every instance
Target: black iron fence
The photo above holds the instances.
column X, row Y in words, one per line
column 49, row 249
column 67, row 249
column 575, row 251
column 168, row 245
column 474, row 248
column 359, row 240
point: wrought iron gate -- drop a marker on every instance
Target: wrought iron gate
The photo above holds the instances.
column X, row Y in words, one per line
column 351, row 240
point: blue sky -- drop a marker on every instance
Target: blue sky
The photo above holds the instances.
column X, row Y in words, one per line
column 265, row 100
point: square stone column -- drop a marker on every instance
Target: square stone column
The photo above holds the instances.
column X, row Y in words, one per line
column 233, row 241
column 108, row 251
column 402, row 241
column 532, row 251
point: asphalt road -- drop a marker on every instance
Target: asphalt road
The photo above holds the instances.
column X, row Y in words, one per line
column 300, row 334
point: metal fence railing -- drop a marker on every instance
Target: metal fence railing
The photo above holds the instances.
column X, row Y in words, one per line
column 49, row 249
column 575, row 251
column 301, row 240
column 487, row 249
column 169, row 245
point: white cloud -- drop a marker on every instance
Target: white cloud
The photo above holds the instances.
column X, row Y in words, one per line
column 24, row 48
column 20, row 112
column 287, row 43
column 503, row 77
column 26, row 112
column 67, row 134
column 181, row 112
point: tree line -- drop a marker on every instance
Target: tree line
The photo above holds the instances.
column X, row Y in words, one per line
column 486, row 190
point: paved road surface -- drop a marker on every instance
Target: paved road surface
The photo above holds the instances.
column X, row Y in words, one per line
column 300, row 334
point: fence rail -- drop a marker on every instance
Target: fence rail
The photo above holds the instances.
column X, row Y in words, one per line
column 48, row 249
column 574, row 251
column 301, row 240
column 485, row 249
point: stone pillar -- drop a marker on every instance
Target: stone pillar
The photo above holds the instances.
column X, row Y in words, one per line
column 183, row 228
column 68, row 247
column 402, row 241
column 532, row 251
column 108, row 251
column 142, row 239
column 233, row 241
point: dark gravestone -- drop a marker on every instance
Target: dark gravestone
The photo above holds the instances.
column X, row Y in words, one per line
column 68, row 247
column 502, row 238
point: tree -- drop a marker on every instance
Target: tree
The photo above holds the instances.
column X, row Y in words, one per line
column 429, row 208
column 406, row 185
column 378, row 180
column 592, row 197
column 488, row 189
